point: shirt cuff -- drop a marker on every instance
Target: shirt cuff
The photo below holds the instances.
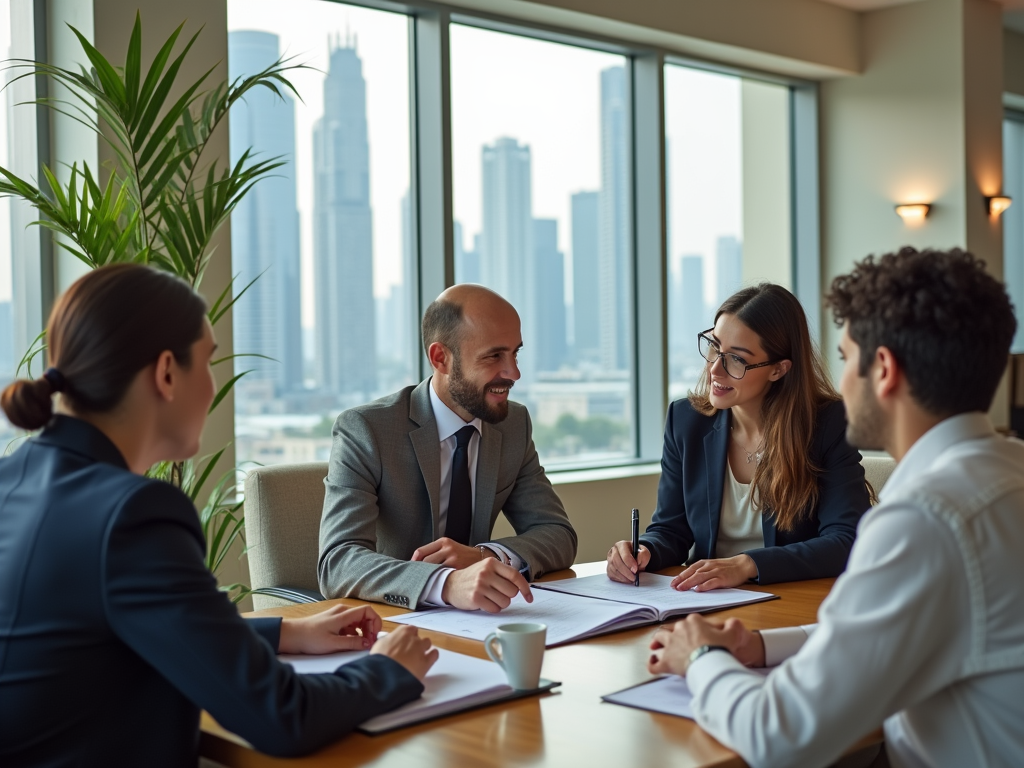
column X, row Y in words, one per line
column 780, row 644
column 708, row 667
column 433, row 592
column 507, row 556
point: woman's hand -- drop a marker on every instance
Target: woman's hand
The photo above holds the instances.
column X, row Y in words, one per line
column 716, row 574
column 621, row 565
column 339, row 628
column 405, row 646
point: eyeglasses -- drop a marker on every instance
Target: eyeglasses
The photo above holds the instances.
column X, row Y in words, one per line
column 734, row 365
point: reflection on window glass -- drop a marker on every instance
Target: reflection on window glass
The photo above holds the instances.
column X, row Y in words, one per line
column 8, row 356
column 727, row 158
column 327, row 240
column 542, row 190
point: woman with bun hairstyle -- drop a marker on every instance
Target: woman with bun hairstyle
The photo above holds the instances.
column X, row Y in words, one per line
column 113, row 634
column 756, row 474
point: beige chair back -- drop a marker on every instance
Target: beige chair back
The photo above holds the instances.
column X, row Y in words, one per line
column 283, row 505
column 877, row 470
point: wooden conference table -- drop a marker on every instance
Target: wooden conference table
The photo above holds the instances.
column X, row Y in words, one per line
column 567, row 727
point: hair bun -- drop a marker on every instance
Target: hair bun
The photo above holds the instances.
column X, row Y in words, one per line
column 28, row 403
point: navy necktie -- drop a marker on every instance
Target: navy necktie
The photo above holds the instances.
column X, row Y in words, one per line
column 460, row 495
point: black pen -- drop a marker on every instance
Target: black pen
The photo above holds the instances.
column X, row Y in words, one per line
column 636, row 545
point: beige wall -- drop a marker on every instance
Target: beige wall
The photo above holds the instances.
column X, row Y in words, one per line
column 922, row 123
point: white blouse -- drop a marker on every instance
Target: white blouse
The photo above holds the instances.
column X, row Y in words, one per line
column 739, row 526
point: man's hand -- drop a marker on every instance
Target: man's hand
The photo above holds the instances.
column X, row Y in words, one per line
column 488, row 586
column 448, row 553
column 339, row 628
column 716, row 574
column 405, row 646
column 671, row 648
column 621, row 565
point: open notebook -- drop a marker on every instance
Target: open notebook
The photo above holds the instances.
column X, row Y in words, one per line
column 669, row 695
column 574, row 609
column 455, row 683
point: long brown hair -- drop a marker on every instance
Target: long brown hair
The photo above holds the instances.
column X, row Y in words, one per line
column 108, row 326
column 785, row 481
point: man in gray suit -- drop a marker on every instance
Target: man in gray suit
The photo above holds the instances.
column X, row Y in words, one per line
column 417, row 478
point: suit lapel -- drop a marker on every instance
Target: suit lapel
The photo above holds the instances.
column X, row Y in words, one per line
column 487, row 464
column 425, row 443
column 716, row 456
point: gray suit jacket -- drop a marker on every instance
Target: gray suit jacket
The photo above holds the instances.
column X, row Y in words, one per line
column 383, row 499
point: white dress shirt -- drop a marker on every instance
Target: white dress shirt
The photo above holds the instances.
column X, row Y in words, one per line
column 448, row 423
column 924, row 630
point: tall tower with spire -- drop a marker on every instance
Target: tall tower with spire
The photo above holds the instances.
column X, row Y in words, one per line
column 346, row 362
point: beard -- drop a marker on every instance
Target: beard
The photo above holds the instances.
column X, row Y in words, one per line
column 865, row 422
column 474, row 399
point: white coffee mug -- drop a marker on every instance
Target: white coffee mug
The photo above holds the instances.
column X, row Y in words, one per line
column 521, row 653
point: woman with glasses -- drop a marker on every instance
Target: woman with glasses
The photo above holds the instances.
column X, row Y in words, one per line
column 113, row 634
column 757, row 479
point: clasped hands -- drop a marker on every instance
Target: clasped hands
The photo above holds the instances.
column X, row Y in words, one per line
column 671, row 646
column 480, row 580
column 701, row 576
column 341, row 628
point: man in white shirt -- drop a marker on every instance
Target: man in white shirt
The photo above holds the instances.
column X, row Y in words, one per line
column 925, row 629
column 417, row 478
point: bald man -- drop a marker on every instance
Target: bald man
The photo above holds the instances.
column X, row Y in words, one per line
column 417, row 478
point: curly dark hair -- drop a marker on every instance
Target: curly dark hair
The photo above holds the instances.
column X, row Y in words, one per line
column 948, row 323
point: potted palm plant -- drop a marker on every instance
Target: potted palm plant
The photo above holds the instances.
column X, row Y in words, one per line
column 159, row 201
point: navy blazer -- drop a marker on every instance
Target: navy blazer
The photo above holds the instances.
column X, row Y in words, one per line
column 113, row 633
column 693, row 465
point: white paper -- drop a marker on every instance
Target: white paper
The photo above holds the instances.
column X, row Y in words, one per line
column 568, row 617
column 656, row 592
column 455, row 682
column 669, row 695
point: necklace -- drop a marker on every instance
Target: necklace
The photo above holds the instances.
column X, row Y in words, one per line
column 754, row 456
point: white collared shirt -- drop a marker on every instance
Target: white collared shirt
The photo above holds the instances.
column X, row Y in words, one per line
column 448, row 423
column 924, row 630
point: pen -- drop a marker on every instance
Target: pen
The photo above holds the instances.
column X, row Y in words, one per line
column 636, row 545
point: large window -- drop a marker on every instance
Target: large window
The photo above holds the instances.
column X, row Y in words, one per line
column 728, row 185
column 1013, row 218
column 329, row 239
column 8, row 357
column 542, row 204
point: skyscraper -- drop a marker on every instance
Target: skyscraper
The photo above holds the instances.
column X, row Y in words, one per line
column 265, row 225
column 548, row 322
column 467, row 263
column 342, row 231
column 506, row 254
column 614, row 224
column 586, row 305
column 693, row 316
column 729, row 266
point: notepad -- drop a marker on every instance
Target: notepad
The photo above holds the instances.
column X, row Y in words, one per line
column 455, row 683
column 574, row 616
column 669, row 695
column 655, row 593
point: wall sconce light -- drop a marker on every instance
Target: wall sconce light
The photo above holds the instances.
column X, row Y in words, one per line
column 913, row 213
column 997, row 204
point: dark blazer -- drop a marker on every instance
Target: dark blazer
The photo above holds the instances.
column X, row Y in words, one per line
column 693, row 465
column 113, row 633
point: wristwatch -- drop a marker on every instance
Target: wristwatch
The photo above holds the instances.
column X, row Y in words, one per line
column 488, row 552
column 700, row 651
